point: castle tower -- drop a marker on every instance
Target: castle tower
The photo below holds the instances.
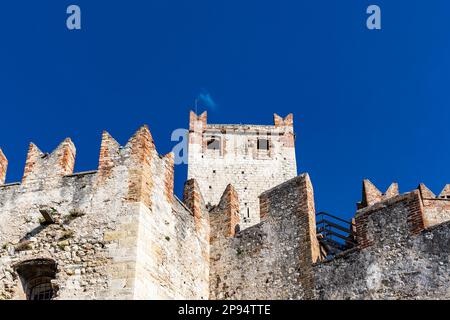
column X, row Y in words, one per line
column 252, row 158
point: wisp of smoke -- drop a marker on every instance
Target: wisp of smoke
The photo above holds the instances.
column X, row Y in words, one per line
column 204, row 99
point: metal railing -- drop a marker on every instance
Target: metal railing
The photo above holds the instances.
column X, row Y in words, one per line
column 335, row 235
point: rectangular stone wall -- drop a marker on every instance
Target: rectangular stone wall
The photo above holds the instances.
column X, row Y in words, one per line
column 117, row 233
column 397, row 257
column 239, row 162
column 271, row 260
column 92, row 241
column 171, row 260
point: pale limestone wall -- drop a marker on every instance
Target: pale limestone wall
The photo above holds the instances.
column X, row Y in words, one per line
column 97, row 261
column 171, row 260
column 239, row 162
column 119, row 232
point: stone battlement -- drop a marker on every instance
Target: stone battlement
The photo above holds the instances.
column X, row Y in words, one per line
column 119, row 232
column 112, row 233
column 402, row 250
column 436, row 209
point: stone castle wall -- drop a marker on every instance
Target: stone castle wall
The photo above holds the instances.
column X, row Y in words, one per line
column 271, row 260
column 398, row 255
column 117, row 232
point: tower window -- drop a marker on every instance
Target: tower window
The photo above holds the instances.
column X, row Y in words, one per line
column 213, row 143
column 263, row 144
column 248, row 212
column 36, row 276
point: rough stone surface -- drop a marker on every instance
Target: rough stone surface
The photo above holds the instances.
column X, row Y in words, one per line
column 371, row 194
column 403, row 260
column 120, row 233
column 239, row 162
column 117, row 234
column 269, row 260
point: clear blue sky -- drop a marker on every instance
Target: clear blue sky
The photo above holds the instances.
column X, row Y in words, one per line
column 366, row 104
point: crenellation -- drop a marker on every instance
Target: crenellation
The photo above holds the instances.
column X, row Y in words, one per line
column 108, row 239
column 372, row 195
column 193, row 199
column 445, row 193
column 120, row 232
column 279, row 250
column 392, row 191
column 33, row 157
column 41, row 166
column 436, row 208
column 395, row 253
column 169, row 178
column 287, row 121
column 253, row 158
column 109, row 156
column 66, row 156
column 141, row 155
column 412, row 216
column 425, row 192
column 3, row 167
column 225, row 218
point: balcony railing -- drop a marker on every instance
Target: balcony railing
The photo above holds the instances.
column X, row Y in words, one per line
column 335, row 235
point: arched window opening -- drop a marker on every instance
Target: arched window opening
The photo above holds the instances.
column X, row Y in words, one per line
column 40, row 289
column 36, row 277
